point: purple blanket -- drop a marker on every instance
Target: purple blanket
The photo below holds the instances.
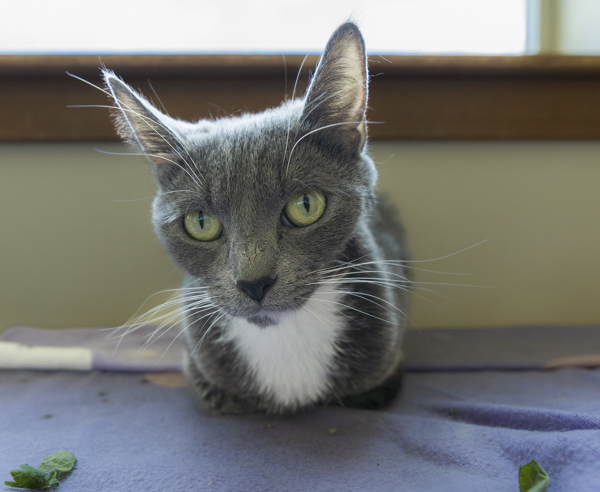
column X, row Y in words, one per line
column 452, row 430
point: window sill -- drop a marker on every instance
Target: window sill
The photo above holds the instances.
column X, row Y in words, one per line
column 418, row 97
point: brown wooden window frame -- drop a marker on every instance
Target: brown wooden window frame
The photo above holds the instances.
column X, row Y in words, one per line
column 416, row 97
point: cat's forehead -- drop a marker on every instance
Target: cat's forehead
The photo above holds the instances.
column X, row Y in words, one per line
column 246, row 137
column 256, row 152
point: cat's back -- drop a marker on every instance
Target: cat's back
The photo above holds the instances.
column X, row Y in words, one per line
column 388, row 229
column 391, row 238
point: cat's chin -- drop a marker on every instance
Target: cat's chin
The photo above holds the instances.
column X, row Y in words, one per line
column 264, row 318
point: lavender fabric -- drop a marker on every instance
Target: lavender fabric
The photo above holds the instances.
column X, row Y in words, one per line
column 458, row 431
column 451, row 430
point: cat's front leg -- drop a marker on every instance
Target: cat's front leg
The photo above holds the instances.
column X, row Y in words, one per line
column 376, row 398
column 212, row 399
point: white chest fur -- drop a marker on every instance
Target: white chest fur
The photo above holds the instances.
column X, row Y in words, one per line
column 291, row 361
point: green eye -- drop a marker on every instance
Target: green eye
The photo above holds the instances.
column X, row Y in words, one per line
column 202, row 225
column 305, row 207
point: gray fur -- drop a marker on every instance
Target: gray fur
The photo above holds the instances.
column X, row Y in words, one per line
column 243, row 170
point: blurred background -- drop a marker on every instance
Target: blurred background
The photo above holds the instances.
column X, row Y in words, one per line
column 495, row 27
column 490, row 148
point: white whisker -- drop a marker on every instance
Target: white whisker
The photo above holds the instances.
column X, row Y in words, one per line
column 353, row 308
column 287, row 138
column 324, row 128
column 199, row 344
column 156, row 94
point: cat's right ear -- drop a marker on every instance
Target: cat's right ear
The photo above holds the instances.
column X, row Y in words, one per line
column 139, row 123
column 336, row 99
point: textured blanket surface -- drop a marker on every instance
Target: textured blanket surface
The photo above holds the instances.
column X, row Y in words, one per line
column 451, row 430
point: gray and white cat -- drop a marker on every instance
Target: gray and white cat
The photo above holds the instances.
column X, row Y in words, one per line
column 295, row 271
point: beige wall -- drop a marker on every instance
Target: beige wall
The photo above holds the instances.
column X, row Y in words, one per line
column 536, row 204
column 72, row 254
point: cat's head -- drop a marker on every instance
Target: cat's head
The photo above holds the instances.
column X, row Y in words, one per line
column 253, row 207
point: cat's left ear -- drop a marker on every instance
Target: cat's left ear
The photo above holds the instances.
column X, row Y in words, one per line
column 139, row 123
column 337, row 95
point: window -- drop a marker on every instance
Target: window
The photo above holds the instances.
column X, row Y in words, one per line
column 300, row 26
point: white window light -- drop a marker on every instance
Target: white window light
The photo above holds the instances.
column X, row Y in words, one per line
column 389, row 26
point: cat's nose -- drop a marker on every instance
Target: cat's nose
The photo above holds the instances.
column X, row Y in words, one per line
column 257, row 288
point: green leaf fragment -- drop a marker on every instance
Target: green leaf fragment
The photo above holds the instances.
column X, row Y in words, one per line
column 533, row 478
column 28, row 477
column 62, row 461
column 46, row 475
column 52, row 478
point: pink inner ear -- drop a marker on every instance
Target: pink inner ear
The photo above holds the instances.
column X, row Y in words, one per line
column 362, row 130
column 355, row 72
column 338, row 92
